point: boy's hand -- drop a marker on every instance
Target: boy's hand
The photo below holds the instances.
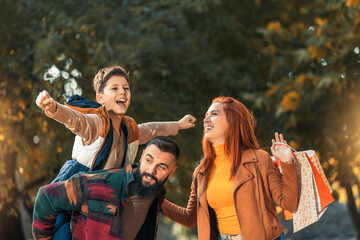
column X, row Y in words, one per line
column 45, row 102
column 186, row 122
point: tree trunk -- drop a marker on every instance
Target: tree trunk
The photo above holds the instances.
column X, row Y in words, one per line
column 10, row 227
column 355, row 215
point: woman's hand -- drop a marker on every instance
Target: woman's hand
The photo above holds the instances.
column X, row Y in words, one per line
column 283, row 153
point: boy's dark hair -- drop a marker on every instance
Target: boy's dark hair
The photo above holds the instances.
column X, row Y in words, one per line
column 105, row 74
column 166, row 144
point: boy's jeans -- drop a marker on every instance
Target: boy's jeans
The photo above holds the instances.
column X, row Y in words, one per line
column 62, row 227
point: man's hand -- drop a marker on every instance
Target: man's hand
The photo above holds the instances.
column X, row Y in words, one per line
column 186, row 122
column 45, row 102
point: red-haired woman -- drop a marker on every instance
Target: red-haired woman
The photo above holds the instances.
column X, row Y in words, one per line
column 233, row 188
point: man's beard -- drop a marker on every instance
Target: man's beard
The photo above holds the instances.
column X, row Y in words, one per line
column 143, row 191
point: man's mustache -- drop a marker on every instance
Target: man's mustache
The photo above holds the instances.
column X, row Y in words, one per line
column 150, row 176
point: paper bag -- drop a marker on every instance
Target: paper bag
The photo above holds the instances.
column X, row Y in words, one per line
column 314, row 190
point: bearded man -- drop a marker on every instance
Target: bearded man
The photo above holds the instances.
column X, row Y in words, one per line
column 120, row 203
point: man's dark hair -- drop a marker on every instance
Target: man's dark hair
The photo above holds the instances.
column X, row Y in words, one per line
column 166, row 144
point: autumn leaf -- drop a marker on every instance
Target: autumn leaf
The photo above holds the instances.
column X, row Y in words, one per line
column 274, row 26
column 352, row 3
column 20, row 116
column 321, row 23
column 22, row 105
column 329, row 46
column 296, row 28
column 272, row 90
column 316, row 52
column 271, row 48
column 301, row 78
column 290, row 101
column 357, row 17
column 44, row 126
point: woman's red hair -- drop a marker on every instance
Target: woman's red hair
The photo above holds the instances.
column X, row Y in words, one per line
column 239, row 135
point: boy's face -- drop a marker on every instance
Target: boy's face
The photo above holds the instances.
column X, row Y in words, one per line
column 116, row 95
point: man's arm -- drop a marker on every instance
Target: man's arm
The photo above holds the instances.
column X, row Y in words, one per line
column 53, row 199
column 148, row 131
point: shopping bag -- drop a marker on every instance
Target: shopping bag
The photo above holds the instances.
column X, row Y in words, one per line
column 314, row 189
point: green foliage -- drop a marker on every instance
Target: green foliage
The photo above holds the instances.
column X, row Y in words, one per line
column 294, row 63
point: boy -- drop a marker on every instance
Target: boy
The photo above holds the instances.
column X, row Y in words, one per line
column 105, row 137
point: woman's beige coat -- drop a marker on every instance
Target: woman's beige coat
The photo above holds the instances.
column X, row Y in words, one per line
column 256, row 184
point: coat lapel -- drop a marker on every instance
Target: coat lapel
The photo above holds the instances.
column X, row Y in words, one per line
column 201, row 192
column 243, row 174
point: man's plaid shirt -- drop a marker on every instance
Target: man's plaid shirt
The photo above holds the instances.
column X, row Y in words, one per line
column 96, row 199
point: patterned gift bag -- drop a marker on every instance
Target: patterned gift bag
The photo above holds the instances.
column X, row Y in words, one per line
column 314, row 189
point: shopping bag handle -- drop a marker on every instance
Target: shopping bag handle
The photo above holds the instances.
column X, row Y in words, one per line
column 283, row 144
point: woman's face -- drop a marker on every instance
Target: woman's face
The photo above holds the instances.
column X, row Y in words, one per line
column 215, row 124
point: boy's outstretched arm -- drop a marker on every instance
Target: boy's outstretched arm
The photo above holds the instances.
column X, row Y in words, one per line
column 148, row 131
column 87, row 126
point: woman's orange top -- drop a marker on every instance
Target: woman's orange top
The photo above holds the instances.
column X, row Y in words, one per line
column 219, row 193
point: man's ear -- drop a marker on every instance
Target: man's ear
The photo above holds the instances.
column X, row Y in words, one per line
column 99, row 98
column 172, row 172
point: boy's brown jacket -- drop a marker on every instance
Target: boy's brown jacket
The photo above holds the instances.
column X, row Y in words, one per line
column 256, row 184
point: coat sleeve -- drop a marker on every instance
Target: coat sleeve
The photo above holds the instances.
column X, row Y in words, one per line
column 148, row 131
column 185, row 216
column 53, row 199
column 87, row 126
column 283, row 188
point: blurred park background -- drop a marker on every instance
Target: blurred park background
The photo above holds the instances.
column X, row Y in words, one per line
column 295, row 64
